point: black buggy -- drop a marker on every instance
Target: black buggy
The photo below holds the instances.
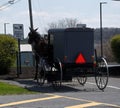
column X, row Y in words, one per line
column 71, row 55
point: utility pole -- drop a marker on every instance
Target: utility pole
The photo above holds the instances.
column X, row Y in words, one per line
column 30, row 13
column 101, row 32
column 31, row 21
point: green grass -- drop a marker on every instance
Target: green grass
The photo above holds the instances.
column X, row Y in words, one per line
column 9, row 89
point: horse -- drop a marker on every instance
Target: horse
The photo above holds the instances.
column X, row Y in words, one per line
column 39, row 46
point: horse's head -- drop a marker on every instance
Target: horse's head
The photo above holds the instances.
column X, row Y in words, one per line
column 33, row 36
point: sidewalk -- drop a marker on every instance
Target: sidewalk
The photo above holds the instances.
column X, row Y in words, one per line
column 20, row 82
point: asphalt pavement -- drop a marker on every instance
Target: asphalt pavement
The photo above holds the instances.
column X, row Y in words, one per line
column 71, row 95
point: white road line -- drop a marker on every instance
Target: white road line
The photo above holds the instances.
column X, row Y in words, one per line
column 114, row 87
column 90, row 83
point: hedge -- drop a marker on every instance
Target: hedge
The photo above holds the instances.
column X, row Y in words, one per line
column 115, row 46
column 8, row 48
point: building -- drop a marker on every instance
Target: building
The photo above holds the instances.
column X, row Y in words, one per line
column 26, row 55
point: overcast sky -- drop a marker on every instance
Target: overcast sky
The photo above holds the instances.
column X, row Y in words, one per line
column 47, row 11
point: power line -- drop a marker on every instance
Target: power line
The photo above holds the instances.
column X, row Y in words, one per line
column 8, row 4
column 3, row 5
column 1, row 0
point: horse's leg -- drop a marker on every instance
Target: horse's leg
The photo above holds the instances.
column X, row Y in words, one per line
column 37, row 61
column 36, row 73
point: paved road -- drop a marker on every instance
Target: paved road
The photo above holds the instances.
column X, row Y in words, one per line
column 71, row 95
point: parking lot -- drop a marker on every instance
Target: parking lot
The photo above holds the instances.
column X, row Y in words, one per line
column 70, row 95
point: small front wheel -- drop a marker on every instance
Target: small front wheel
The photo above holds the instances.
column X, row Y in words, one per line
column 82, row 78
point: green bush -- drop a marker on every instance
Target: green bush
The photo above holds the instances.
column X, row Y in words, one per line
column 115, row 46
column 8, row 48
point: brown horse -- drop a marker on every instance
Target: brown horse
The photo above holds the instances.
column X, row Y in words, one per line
column 39, row 46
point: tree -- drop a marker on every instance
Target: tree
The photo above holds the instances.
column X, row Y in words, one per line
column 64, row 23
column 115, row 46
column 8, row 48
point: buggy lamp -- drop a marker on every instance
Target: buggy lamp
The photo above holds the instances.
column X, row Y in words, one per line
column 65, row 58
column 94, row 61
column 93, row 58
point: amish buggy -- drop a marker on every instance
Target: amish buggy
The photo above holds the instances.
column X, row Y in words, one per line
column 66, row 54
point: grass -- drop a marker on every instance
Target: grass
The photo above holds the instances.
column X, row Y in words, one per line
column 9, row 89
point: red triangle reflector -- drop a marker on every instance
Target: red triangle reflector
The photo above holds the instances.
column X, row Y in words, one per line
column 80, row 59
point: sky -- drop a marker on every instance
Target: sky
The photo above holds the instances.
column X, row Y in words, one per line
column 48, row 11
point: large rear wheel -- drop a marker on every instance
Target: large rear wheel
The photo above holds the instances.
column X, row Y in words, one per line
column 101, row 74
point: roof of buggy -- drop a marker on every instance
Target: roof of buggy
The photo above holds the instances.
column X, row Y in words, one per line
column 69, row 29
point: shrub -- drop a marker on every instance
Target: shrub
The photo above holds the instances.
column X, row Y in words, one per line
column 115, row 46
column 8, row 48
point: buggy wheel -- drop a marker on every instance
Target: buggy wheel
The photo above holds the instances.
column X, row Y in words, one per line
column 83, row 77
column 101, row 74
column 57, row 70
column 41, row 73
column 82, row 80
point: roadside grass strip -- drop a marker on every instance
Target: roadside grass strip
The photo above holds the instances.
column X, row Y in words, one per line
column 10, row 89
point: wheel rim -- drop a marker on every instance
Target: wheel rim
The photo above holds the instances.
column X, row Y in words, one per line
column 102, row 74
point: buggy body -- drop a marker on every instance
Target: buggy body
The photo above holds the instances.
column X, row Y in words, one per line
column 73, row 46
